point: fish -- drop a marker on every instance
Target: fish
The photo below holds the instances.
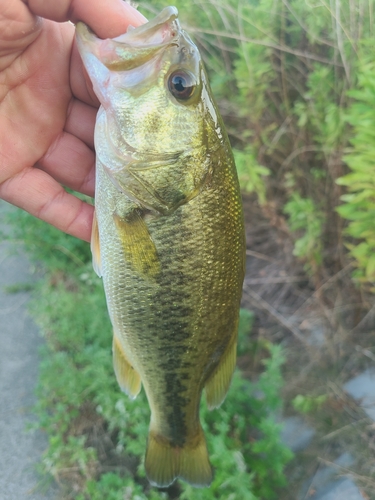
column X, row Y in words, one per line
column 168, row 234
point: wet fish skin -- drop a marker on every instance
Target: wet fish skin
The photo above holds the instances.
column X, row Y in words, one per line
column 169, row 236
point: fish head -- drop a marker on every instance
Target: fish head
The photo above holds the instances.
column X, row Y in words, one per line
column 151, row 83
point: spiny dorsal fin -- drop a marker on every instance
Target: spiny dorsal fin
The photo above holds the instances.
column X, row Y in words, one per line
column 165, row 462
column 95, row 247
column 127, row 377
column 138, row 246
column 218, row 384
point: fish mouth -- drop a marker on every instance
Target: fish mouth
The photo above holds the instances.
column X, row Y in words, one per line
column 136, row 46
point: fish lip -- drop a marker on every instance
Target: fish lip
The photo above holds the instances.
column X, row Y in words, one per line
column 168, row 16
column 165, row 24
column 84, row 33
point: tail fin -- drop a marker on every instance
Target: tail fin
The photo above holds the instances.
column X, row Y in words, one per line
column 165, row 462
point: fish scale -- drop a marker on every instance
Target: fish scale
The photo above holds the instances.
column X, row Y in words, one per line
column 168, row 237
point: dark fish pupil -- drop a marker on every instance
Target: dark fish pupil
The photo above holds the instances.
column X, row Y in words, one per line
column 181, row 85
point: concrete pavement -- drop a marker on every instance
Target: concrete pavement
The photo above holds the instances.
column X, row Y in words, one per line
column 20, row 448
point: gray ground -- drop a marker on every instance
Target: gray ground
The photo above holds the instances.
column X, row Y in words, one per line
column 20, row 448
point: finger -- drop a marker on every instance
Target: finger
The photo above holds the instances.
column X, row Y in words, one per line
column 107, row 19
column 44, row 198
column 71, row 163
column 118, row 15
column 80, row 122
column 80, row 83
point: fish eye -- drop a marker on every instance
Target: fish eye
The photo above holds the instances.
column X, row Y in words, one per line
column 181, row 85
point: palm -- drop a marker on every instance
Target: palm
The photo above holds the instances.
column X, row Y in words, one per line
column 47, row 116
column 42, row 95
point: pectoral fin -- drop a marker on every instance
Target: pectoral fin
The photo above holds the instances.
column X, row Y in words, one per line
column 127, row 377
column 218, row 384
column 138, row 246
column 95, row 247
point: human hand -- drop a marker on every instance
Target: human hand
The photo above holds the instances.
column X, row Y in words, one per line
column 48, row 108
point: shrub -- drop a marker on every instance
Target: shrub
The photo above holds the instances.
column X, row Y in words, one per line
column 359, row 203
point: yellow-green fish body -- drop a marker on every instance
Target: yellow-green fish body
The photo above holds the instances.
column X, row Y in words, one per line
column 169, row 236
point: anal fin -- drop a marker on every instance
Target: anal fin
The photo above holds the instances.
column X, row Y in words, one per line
column 218, row 384
column 95, row 247
column 138, row 246
column 127, row 377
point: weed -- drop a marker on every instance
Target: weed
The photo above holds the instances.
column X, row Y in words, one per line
column 250, row 173
column 19, row 287
column 359, row 203
column 308, row 404
column 305, row 218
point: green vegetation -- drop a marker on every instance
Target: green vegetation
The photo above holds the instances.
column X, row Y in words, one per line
column 308, row 404
column 19, row 287
column 305, row 217
column 359, row 206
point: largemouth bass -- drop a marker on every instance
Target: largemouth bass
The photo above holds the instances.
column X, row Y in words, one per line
column 168, row 236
